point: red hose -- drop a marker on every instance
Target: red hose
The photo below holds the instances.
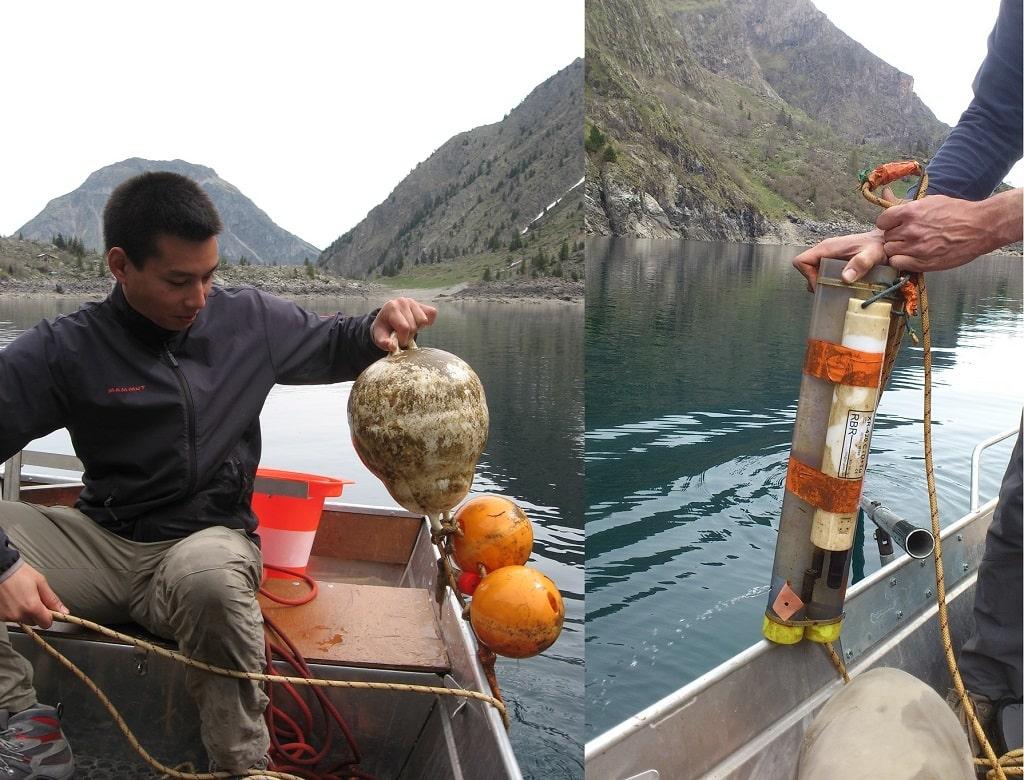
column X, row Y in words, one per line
column 292, row 747
column 313, row 587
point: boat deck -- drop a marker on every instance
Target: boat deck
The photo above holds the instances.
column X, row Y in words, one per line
column 377, row 626
column 375, row 618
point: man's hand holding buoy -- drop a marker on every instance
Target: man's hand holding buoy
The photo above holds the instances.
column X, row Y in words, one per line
column 398, row 321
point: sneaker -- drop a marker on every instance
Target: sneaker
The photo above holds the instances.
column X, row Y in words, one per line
column 32, row 745
column 262, row 763
column 985, row 710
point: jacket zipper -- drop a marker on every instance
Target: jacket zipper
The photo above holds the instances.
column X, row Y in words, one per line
column 193, row 466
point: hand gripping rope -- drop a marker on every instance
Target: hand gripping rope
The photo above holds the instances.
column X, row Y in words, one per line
column 290, row 746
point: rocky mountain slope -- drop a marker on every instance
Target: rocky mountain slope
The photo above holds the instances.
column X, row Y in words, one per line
column 478, row 191
column 248, row 231
column 737, row 120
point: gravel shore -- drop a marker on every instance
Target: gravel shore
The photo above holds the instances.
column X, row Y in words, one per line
column 283, row 284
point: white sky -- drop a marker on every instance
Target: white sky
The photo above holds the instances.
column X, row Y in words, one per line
column 941, row 44
column 314, row 110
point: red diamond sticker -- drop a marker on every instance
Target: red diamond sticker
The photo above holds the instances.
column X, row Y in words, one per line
column 787, row 603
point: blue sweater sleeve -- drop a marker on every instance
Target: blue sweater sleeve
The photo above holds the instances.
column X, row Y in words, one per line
column 986, row 142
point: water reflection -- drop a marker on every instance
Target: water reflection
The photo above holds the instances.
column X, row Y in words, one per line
column 694, row 356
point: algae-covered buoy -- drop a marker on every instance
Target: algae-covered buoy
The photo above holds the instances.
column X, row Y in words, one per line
column 418, row 419
column 517, row 612
column 495, row 533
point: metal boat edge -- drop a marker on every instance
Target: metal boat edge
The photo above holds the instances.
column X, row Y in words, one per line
column 746, row 717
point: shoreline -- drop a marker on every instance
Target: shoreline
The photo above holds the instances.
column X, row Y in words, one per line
column 536, row 291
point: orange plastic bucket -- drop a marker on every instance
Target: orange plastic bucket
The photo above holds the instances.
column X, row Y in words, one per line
column 287, row 524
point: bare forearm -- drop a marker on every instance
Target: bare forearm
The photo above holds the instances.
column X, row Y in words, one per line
column 1004, row 213
column 939, row 232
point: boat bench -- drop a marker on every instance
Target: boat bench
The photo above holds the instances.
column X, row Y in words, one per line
column 376, row 626
column 362, row 615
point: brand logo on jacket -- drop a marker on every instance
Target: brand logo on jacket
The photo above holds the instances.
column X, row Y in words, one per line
column 125, row 389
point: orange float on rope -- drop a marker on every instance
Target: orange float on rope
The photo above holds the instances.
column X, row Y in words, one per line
column 517, row 612
column 495, row 533
column 890, row 172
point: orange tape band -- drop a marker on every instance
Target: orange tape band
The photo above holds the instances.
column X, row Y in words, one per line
column 841, row 365
column 832, row 494
column 909, row 291
column 890, row 172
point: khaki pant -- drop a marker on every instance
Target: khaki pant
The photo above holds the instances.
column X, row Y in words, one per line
column 885, row 724
column 198, row 591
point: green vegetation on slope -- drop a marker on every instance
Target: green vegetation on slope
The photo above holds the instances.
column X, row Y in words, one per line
column 723, row 156
column 552, row 247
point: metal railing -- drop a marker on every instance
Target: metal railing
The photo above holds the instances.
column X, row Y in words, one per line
column 46, row 460
column 976, row 464
column 272, row 486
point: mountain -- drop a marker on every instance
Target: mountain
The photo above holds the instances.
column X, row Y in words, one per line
column 737, row 120
column 248, row 231
column 478, row 192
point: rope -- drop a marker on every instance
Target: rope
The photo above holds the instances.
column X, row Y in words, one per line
column 259, row 677
column 990, row 760
column 1010, row 763
column 484, row 654
column 132, row 740
column 837, row 662
column 885, row 174
column 240, row 675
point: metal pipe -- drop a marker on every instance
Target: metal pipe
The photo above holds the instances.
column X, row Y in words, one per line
column 916, row 542
column 831, row 441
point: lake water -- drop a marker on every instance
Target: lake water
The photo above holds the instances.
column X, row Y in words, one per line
column 693, row 365
column 529, row 358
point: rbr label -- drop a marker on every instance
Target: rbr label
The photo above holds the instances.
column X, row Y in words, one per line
column 856, row 444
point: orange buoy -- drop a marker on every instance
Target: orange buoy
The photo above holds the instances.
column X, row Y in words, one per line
column 495, row 533
column 517, row 612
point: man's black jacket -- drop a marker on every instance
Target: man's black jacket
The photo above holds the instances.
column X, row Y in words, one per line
column 167, row 423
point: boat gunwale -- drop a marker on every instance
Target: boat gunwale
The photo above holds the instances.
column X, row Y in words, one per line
column 680, row 698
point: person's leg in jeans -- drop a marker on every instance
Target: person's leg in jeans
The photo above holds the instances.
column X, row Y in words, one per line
column 202, row 593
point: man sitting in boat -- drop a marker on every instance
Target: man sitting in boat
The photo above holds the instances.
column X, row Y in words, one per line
column 161, row 387
column 953, row 227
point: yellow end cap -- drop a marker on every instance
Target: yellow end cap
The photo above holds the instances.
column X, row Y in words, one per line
column 824, row 632
column 781, row 634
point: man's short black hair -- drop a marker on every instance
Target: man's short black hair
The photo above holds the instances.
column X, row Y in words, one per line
column 146, row 206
